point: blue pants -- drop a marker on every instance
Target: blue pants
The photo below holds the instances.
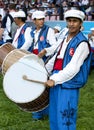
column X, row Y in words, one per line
column 40, row 114
column 1, row 42
column 63, row 108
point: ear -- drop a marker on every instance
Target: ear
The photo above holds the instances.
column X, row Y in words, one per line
column 33, row 20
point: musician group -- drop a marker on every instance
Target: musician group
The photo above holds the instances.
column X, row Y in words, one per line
column 66, row 55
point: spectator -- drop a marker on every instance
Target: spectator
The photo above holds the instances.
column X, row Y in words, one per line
column 88, row 13
column 0, row 20
column 5, row 31
column 57, row 30
column 91, row 37
column 91, row 41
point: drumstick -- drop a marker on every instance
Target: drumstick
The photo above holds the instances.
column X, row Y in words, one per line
column 31, row 80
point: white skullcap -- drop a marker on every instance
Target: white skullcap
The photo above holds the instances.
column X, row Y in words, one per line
column 92, row 29
column 38, row 14
column 57, row 27
column 74, row 13
column 20, row 14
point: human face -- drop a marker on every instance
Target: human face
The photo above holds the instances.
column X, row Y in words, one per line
column 74, row 25
column 56, row 31
column 17, row 21
column 39, row 23
column 92, row 32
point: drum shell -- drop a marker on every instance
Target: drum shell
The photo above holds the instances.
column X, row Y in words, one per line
column 11, row 58
column 4, row 50
column 38, row 104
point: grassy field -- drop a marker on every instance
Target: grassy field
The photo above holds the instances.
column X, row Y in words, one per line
column 12, row 118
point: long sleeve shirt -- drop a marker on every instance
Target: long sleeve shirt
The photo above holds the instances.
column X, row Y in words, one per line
column 50, row 38
column 27, row 37
column 73, row 67
column 60, row 38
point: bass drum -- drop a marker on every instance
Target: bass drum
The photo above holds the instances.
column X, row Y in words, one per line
column 4, row 50
column 30, row 96
column 12, row 57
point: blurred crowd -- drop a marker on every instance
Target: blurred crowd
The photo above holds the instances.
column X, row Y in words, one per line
column 51, row 7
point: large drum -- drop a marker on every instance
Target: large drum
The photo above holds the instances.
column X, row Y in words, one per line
column 4, row 50
column 23, row 84
column 11, row 58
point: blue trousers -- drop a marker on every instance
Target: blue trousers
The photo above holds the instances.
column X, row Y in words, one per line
column 63, row 108
column 40, row 114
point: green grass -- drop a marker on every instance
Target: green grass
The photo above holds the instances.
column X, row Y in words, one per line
column 12, row 118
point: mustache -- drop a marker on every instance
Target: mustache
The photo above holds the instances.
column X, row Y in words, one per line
column 71, row 27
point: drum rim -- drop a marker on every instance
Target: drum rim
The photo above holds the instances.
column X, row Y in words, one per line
column 2, row 66
column 36, row 57
column 6, row 44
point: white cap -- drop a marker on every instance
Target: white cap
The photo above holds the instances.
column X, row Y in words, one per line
column 57, row 27
column 74, row 13
column 92, row 29
column 20, row 14
column 38, row 14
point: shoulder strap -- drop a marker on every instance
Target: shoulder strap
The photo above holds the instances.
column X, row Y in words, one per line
column 46, row 30
column 22, row 30
column 4, row 20
column 11, row 18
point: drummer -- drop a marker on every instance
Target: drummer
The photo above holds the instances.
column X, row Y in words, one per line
column 43, row 37
column 22, row 38
column 70, row 70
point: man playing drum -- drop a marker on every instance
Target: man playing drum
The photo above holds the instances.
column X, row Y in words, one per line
column 43, row 37
column 70, row 69
column 22, row 38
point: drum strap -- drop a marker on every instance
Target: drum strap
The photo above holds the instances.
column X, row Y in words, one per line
column 55, row 52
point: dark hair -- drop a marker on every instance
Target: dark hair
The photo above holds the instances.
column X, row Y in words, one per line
column 23, row 19
column 74, row 17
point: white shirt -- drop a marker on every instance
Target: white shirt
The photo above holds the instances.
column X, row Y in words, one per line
column 61, row 37
column 91, row 41
column 27, row 36
column 8, row 28
column 73, row 67
column 50, row 38
column 85, row 2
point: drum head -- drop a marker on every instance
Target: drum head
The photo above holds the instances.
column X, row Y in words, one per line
column 19, row 90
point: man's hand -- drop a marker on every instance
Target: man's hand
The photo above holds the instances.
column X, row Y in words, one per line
column 50, row 83
column 42, row 53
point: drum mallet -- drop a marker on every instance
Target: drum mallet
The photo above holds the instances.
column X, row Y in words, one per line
column 31, row 80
